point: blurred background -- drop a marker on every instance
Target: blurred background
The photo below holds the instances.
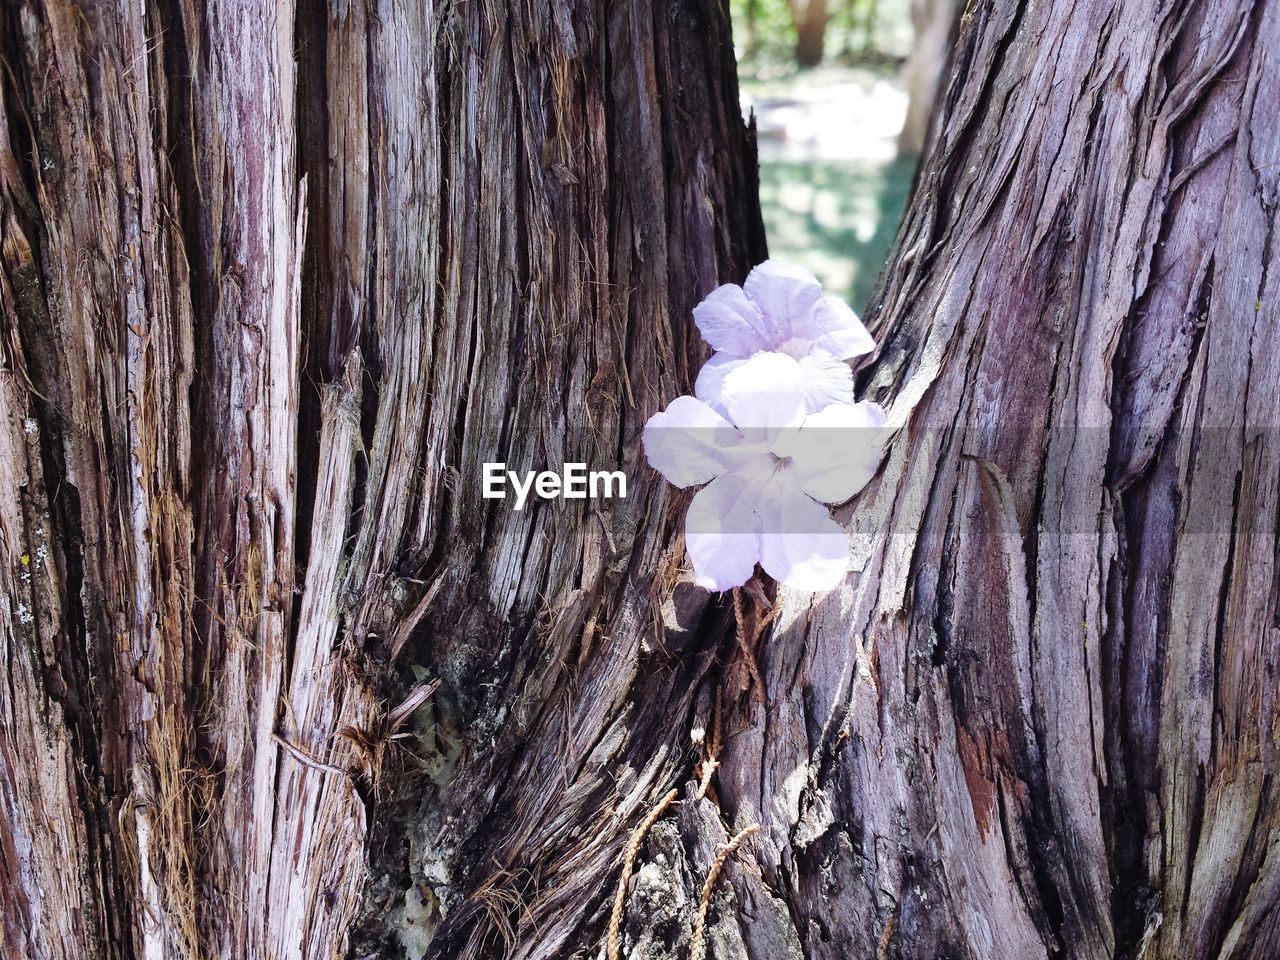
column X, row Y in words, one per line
column 842, row 91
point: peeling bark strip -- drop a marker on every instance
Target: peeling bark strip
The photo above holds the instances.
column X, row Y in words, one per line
column 275, row 285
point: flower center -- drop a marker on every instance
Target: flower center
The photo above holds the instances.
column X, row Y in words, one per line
column 797, row 348
column 780, row 463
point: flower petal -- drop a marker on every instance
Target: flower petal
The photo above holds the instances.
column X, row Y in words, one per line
column 731, row 323
column 835, row 328
column 786, row 295
column 722, row 531
column 827, row 380
column 764, row 396
column 800, row 545
column 837, row 450
column 689, row 443
column 710, row 382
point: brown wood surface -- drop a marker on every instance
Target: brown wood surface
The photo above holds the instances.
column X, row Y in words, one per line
column 276, row 280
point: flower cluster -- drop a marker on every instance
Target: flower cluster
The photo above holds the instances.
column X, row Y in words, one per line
column 772, row 430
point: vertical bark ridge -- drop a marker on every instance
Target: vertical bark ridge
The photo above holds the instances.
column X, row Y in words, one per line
column 628, row 209
column 104, row 332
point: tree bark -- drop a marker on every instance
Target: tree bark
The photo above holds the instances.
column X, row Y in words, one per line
column 274, row 290
column 1041, row 721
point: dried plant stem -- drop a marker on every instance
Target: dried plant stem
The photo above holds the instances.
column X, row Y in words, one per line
column 886, row 938
column 768, row 618
column 628, row 861
column 711, row 762
column 747, row 641
column 704, row 901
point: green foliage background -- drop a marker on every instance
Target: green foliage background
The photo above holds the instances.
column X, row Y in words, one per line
column 869, row 33
column 835, row 215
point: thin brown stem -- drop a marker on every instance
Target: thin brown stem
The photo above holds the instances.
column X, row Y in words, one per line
column 628, row 862
column 704, row 900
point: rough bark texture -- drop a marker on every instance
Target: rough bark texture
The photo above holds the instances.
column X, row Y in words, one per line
column 1041, row 721
column 240, row 446
column 272, row 292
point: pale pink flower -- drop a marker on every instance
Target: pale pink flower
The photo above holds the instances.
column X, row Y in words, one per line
column 781, row 309
column 769, row 466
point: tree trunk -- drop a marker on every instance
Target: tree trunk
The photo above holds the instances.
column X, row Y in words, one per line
column 273, row 291
column 263, row 324
column 810, row 18
column 751, row 13
column 931, row 23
